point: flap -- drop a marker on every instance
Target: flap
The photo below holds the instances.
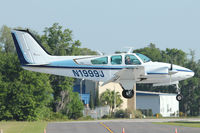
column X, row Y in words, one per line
column 129, row 74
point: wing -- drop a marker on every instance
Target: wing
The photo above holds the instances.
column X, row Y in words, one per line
column 127, row 77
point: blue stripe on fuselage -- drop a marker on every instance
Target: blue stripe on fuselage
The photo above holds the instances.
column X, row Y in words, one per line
column 73, row 67
column 182, row 70
column 152, row 73
column 70, row 64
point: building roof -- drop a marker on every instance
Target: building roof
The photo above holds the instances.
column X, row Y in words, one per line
column 144, row 93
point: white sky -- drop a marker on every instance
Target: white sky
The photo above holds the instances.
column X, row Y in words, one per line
column 111, row 25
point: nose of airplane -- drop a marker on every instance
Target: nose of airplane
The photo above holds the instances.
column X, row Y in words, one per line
column 185, row 72
column 189, row 73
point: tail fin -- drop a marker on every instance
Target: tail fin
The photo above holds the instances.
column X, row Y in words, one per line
column 28, row 48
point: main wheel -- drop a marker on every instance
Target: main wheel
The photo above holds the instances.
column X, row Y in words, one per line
column 179, row 97
column 127, row 93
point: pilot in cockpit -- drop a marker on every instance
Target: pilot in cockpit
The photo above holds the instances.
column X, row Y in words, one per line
column 128, row 60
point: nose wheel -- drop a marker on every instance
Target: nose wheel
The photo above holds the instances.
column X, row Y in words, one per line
column 179, row 96
column 127, row 93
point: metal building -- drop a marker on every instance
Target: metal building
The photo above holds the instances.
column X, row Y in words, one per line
column 163, row 103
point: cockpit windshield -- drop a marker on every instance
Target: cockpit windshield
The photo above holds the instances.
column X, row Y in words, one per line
column 143, row 57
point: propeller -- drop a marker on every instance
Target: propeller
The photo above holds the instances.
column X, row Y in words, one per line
column 170, row 71
column 171, row 67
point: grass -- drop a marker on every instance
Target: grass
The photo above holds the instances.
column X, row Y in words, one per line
column 181, row 123
column 23, row 127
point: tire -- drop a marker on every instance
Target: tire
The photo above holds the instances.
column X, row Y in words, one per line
column 179, row 97
column 128, row 93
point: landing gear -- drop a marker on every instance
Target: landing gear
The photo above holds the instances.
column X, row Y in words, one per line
column 179, row 97
column 127, row 93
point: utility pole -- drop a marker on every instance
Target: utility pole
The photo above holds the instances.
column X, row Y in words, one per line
column 114, row 98
column 81, row 87
column 131, row 103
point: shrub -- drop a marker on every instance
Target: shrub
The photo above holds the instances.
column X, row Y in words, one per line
column 158, row 115
column 181, row 114
column 122, row 114
column 57, row 116
column 146, row 112
column 137, row 114
column 86, row 118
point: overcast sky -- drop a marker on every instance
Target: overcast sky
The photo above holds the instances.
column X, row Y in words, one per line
column 111, row 25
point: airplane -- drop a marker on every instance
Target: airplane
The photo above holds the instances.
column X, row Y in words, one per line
column 126, row 69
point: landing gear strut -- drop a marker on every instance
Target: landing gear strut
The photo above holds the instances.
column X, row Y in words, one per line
column 179, row 97
column 127, row 93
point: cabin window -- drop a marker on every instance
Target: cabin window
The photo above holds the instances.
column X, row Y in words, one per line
column 131, row 60
column 143, row 57
column 116, row 59
column 102, row 60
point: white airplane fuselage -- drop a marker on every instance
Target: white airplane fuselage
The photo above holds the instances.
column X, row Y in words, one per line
column 67, row 66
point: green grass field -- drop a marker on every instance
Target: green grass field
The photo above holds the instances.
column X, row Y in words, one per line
column 181, row 123
column 23, row 127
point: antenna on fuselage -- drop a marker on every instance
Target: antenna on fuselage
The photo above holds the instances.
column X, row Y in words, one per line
column 130, row 50
column 100, row 53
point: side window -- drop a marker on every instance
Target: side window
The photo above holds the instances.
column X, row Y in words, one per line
column 131, row 60
column 102, row 60
column 116, row 59
column 143, row 57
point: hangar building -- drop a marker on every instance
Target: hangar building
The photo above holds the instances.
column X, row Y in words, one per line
column 163, row 103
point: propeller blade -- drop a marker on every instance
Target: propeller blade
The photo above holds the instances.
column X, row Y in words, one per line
column 171, row 68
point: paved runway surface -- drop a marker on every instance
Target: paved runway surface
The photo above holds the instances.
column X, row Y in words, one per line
column 115, row 126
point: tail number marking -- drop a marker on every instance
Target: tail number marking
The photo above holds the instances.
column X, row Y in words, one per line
column 88, row 73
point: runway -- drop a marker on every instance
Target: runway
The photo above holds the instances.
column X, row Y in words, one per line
column 116, row 126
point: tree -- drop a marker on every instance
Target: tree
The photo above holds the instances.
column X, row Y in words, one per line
column 86, row 51
column 151, row 51
column 24, row 95
column 60, row 42
column 97, row 100
column 111, row 98
column 91, row 104
column 74, row 107
column 175, row 56
column 6, row 40
column 190, row 88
